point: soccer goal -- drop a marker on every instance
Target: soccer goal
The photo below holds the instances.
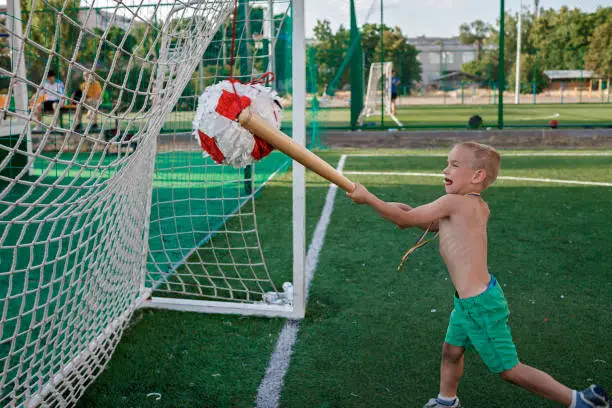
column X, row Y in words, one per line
column 107, row 203
column 378, row 92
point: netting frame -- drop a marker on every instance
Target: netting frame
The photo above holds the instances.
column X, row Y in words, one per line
column 295, row 309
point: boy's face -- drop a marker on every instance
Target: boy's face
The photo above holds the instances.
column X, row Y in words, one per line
column 459, row 175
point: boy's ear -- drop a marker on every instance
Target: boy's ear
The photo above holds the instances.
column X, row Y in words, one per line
column 479, row 176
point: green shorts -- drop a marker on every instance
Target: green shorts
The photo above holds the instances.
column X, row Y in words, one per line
column 481, row 322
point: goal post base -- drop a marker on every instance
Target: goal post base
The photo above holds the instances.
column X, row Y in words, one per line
column 207, row 306
column 395, row 119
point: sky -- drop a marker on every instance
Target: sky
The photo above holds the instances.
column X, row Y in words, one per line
column 440, row 18
column 435, row 18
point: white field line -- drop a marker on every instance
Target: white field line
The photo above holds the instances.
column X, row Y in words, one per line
column 518, row 154
column 535, row 180
column 554, row 115
column 268, row 394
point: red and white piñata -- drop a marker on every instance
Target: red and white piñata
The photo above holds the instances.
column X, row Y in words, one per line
column 216, row 127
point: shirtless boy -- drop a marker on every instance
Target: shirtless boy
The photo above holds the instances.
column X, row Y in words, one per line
column 480, row 315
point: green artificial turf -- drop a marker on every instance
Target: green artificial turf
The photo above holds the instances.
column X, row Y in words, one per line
column 372, row 337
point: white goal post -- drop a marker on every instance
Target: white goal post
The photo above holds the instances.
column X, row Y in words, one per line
column 378, row 92
column 107, row 203
column 288, row 299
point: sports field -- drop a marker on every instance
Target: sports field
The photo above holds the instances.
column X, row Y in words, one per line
column 372, row 336
column 457, row 116
column 44, row 265
column 436, row 116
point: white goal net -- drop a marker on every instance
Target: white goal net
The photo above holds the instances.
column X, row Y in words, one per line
column 106, row 201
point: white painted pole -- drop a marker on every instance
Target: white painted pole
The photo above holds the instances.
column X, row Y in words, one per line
column 270, row 34
column 299, row 136
column 14, row 26
column 517, row 84
column 272, row 43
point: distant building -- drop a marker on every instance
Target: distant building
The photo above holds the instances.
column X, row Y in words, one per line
column 571, row 78
column 457, row 79
column 441, row 56
column 101, row 19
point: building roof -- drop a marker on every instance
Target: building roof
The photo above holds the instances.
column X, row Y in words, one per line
column 422, row 40
column 459, row 75
column 450, row 44
column 570, row 74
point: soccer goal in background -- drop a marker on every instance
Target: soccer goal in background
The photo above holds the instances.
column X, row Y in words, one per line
column 378, row 92
column 96, row 221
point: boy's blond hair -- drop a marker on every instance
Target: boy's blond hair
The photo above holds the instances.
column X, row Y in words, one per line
column 486, row 158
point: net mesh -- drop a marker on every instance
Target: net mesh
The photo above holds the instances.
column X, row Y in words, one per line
column 204, row 242
column 104, row 194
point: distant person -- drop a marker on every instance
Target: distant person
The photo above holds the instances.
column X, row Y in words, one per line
column 49, row 97
column 395, row 81
column 92, row 90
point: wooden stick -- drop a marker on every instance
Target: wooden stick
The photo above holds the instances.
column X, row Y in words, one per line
column 258, row 126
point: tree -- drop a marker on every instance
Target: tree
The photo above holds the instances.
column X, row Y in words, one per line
column 486, row 68
column 561, row 37
column 403, row 56
column 599, row 55
column 5, row 56
column 44, row 26
column 474, row 33
column 330, row 50
column 531, row 74
column 396, row 49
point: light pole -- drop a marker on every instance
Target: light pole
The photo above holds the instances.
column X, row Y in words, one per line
column 382, row 59
column 501, row 78
column 519, row 34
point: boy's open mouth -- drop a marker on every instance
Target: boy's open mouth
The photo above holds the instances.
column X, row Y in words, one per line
column 448, row 181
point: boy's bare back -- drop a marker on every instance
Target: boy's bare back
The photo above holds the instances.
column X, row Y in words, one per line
column 463, row 245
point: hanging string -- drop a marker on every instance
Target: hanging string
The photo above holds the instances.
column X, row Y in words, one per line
column 233, row 49
column 263, row 79
column 421, row 242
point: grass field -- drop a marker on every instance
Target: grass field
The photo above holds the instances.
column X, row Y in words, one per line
column 372, row 336
column 456, row 116
column 443, row 116
column 54, row 233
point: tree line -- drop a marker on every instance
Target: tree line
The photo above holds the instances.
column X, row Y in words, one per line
column 564, row 39
column 329, row 49
column 125, row 61
column 551, row 40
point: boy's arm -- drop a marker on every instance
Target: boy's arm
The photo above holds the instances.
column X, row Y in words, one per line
column 416, row 217
column 434, row 226
column 399, row 215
